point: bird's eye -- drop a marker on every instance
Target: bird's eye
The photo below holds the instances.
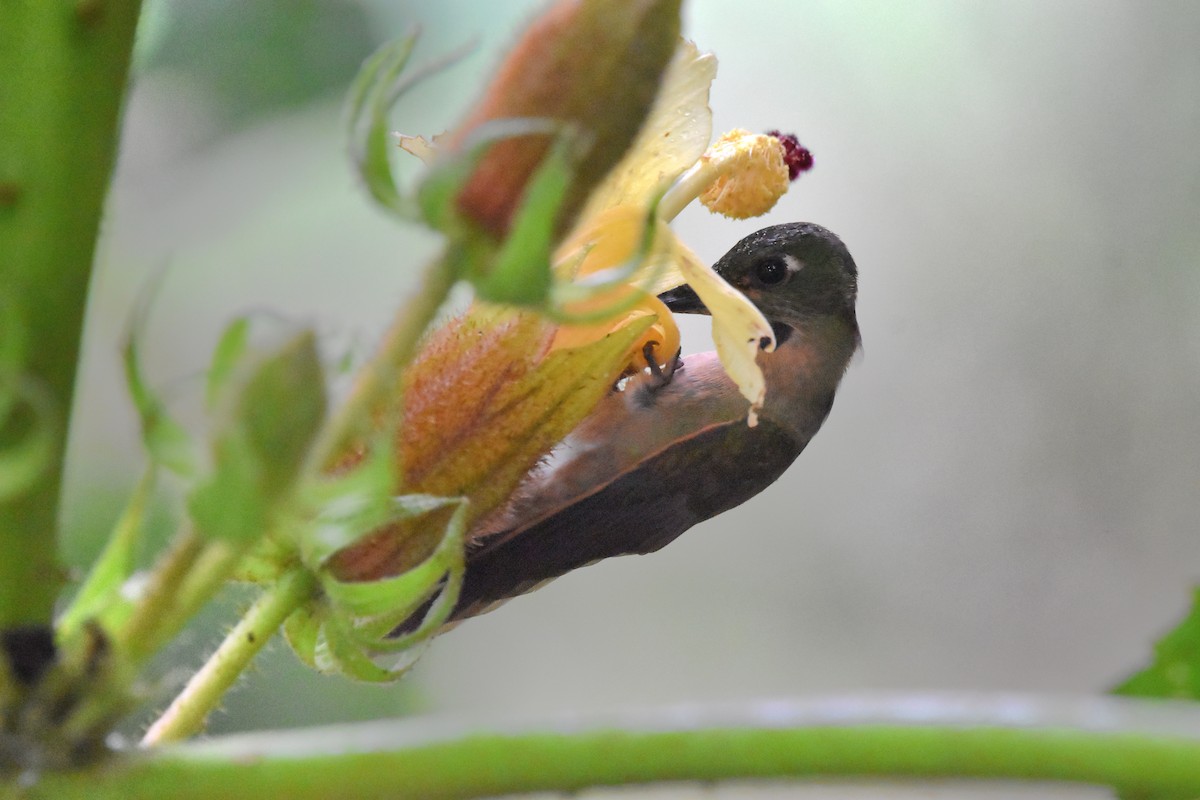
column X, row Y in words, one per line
column 771, row 272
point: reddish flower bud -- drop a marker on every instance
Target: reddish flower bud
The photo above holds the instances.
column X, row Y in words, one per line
column 594, row 65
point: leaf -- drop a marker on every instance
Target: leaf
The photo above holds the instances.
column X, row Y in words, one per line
column 100, row 595
column 166, row 441
column 271, row 418
column 230, row 350
column 1175, row 670
column 370, row 100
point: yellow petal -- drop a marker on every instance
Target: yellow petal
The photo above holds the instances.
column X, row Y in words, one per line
column 739, row 329
column 663, row 333
column 419, row 146
column 610, row 241
column 674, row 136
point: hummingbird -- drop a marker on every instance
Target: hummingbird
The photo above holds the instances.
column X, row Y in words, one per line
column 672, row 449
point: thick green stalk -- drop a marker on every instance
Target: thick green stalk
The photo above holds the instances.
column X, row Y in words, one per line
column 1140, row 748
column 63, row 69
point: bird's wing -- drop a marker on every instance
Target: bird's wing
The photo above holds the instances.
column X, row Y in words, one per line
column 639, row 510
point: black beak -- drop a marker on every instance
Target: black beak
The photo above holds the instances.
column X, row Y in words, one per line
column 683, row 300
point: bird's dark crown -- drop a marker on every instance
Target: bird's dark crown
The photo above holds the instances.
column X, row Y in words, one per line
column 793, row 272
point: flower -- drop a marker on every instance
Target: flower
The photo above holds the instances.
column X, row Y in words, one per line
column 576, row 62
column 491, row 392
column 741, row 175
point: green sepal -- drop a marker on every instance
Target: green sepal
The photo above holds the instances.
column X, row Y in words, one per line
column 395, row 599
column 521, row 274
column 337, row 651
column 229, row 353
column 302, row 630
column 404, row 593
column 439, row 190
column 374, row 91
column 348, row 505
column 350, row 625
column 270, row 419
column 516, row 271
column 166, row 442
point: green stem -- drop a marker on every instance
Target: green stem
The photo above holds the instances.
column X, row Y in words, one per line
column 63, row 66
column 1098, row 741
column 140, row 636
column 114, row 563
column 379, row 382
column 189, row 710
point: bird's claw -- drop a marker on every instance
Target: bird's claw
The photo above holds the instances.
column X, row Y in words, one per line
column 662, row 375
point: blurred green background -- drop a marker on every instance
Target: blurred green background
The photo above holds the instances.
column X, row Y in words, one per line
column 1007, row 492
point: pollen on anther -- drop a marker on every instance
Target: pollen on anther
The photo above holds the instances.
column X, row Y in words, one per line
column 797, row 157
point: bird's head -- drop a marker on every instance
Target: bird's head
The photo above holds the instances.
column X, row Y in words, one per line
column 795, row 273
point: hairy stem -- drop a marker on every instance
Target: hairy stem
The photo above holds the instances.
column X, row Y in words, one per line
column 141, row 635
column 63, row 66
column 203, row 692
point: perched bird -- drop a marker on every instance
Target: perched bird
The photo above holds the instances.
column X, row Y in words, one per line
column 669, row 451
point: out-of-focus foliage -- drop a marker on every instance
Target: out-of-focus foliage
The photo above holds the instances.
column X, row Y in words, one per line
column 1175, row 670
column 257, row 57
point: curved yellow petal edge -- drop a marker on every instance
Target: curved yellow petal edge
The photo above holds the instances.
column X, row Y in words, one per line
column 739, row 329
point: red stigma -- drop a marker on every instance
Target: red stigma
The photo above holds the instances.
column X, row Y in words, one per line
column 797, row 157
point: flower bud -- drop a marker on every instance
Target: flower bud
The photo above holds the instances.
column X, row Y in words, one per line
column 593, row 65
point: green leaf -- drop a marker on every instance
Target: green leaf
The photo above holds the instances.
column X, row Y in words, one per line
column 230, row 350
column 166, row 441
column 272, row 416
column 100, row 596
column 1175, row 670
column 374, row 93
column 280, row 409
column 371, row 96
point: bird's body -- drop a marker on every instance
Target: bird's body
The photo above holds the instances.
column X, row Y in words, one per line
column 655, row 458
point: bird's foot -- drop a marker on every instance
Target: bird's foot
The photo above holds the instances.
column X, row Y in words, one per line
column 662, row 375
